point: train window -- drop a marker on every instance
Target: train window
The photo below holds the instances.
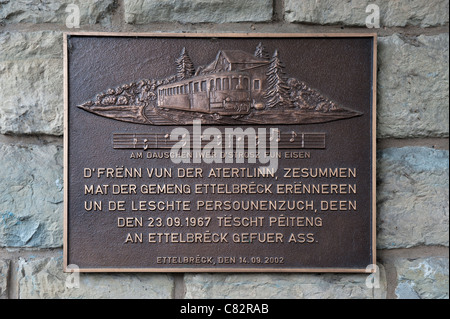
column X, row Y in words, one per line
column 226, row 83
column 218, row 84
column 196, row 87
column 186, row 89
column 182, row 89
column 245, row 83
column 191, row 87
column 256, row 84
column 235, row 84
column 211, row 85
column 204, row 86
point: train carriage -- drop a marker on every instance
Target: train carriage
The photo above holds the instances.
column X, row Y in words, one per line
column 229, row 85
column 224, row 93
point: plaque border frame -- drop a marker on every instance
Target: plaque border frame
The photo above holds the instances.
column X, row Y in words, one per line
column 66, row 36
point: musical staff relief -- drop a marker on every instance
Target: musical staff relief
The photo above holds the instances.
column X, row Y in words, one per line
column 286, row 140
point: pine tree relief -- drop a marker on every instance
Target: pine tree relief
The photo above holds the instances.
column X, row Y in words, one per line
column 277, row 92
column 261, row 52
column 185, row 67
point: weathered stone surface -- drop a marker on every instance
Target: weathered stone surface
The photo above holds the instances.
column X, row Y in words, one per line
column 277, row 286
column 54, row 11
column 412, row 197
column 424, row 278
column 413, row 86
column 197, row 11
column 31, row 196
column 4, row 273
column 18, row 46
column 45, row 279
column 353, row 12
column 31, row 78
column 31, row 99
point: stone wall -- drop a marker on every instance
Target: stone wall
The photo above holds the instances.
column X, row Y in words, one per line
column 413, row 156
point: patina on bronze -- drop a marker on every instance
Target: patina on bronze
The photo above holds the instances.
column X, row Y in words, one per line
column 130, row 207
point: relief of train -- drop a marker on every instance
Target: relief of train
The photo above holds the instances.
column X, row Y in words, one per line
column 230, row 85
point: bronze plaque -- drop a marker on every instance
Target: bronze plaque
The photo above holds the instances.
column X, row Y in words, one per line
column 220, row 152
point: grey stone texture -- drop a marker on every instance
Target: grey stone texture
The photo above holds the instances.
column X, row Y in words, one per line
column 422, row 278
column 398, row 13
column 282, row 286
column 412, row 197
column 197, row 11
column 31, row 196
column 44, row 279
column 4, row 274
column 413, row 86
column 54, row 11
column 31, row 78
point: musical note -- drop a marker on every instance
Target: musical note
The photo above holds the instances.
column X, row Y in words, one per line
column 166, row 137
column 272, row 135
column 145, row 144
column 219, row 139
column 294, row 135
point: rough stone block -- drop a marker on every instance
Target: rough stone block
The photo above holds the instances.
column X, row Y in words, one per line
column 197, row 11
column 31, row 98
column 422, row 278
column 412, row 197
column 45, row 279
column 54, row 11
column 17, row 46
column 353, row 12
column 31, row 78
column 4, row 273
column 278, row 286
column 413, row 86
column 31, row 196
